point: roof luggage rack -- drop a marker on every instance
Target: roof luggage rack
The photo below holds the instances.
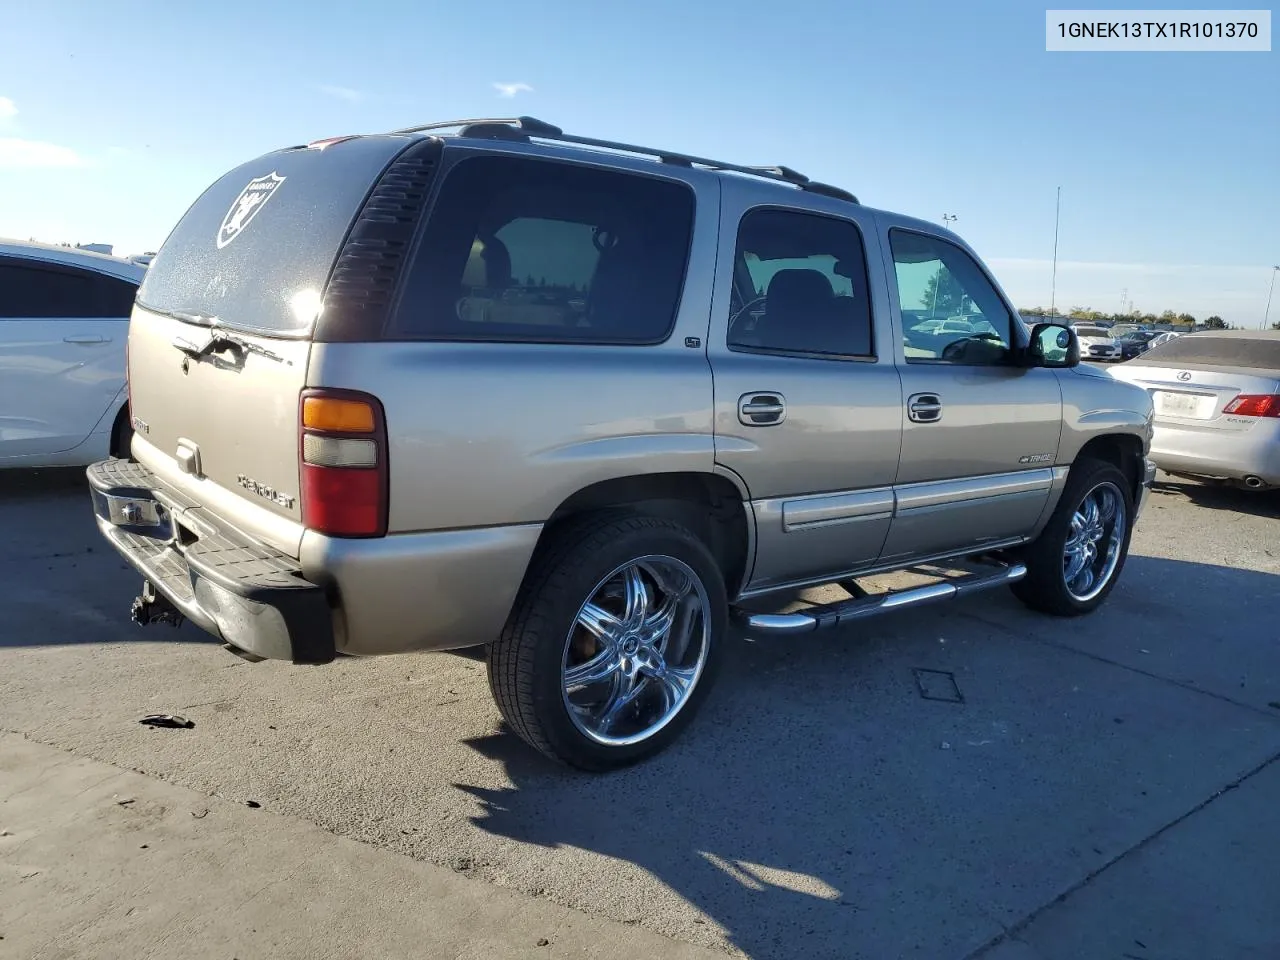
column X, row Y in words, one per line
column 526, row 128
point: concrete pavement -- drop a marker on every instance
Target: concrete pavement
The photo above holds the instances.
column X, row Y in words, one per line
column 103, row 863
column 819, row 807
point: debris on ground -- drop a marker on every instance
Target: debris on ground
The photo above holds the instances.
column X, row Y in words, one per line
column 252, row 803
column 123, row 801
column 201, row 814
column 167, row 720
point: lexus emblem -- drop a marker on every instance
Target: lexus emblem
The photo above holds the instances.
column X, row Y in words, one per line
column 1184, row 375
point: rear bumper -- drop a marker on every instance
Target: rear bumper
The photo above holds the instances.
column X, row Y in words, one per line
column 1229, row 454
column 243, row 592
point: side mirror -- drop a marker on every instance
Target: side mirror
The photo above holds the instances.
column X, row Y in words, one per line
column 1053, row 345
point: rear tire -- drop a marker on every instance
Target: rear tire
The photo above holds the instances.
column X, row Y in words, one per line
column 122, row 435
column 1075, row 562
column 613, row 641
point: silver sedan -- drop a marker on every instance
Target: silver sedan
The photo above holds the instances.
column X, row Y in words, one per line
column 1217, row 405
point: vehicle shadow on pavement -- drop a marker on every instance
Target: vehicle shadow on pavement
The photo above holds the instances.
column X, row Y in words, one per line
column 1215, row 496
column 821, row 806
column 45, row 481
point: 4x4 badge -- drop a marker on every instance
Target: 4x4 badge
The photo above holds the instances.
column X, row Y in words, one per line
column 246, row 206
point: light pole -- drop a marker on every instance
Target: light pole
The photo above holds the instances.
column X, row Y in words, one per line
column 949, row 218
column 1053, row 289
column 1266, row 314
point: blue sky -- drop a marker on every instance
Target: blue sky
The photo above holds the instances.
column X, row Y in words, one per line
column 113, row 117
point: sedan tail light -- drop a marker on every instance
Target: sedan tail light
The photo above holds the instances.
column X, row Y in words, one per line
column 1254, row 405
column 343, row 452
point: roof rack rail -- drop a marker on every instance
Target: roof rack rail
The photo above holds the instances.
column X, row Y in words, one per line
column 526, row 125
column 523, row 128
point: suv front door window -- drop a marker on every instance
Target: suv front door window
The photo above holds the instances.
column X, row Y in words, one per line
column 950, row 311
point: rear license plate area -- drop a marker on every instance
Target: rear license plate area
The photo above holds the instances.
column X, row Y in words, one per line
column 1187, row 406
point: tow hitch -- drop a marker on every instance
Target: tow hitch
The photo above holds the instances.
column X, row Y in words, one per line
column 150, row 607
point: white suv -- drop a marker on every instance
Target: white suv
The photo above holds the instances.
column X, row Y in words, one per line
column 64, row 317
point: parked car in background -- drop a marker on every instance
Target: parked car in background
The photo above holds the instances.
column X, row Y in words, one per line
column 1096, row 342
column 64, row 318
column 1136, row 342
column 1217, row 404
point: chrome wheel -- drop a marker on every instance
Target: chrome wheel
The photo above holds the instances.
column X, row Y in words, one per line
column 1094, row 542
column 636, row 650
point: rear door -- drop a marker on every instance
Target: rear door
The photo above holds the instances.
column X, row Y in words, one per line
column 807, row 398
column 221, row 336
column 62, row 335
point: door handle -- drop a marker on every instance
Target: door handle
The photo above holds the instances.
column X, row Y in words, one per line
column 924, row 408
column 762, row 409
column 85, row 338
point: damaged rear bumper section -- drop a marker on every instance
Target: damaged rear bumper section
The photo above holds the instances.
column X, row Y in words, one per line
column 250, row 596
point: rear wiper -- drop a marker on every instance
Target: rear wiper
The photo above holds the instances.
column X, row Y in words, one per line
column 221, row 338
column 186, row 316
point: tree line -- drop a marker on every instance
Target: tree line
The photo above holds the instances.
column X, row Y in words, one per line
column 1089, row 315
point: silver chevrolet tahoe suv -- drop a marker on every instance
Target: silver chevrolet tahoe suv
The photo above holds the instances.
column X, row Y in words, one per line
column 586, row 404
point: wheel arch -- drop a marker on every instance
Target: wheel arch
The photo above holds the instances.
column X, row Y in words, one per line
column 1124, row 450
column 714, row 506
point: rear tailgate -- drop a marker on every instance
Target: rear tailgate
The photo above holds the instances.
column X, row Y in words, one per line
column 221, row 335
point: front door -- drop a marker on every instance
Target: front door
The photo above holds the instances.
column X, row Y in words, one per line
column 807, row 398
column 980, row 432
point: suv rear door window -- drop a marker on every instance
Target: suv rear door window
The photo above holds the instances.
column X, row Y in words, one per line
column 800, row 286
column 535, row 250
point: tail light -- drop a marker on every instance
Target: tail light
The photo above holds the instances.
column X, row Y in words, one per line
column 343, row 452
column 1254, row 405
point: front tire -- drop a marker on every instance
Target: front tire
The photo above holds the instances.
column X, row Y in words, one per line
column 1075, row 562
column 613, row 641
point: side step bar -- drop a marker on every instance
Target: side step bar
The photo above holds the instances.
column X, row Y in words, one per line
column 859, row 608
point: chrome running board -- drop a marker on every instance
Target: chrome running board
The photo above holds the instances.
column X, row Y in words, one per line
column 844, row 612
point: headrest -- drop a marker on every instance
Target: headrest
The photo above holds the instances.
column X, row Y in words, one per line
column 798, row 286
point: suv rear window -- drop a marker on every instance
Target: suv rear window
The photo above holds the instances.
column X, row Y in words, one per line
column 255, row 250
column 519, row 249
column 1258, row 352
